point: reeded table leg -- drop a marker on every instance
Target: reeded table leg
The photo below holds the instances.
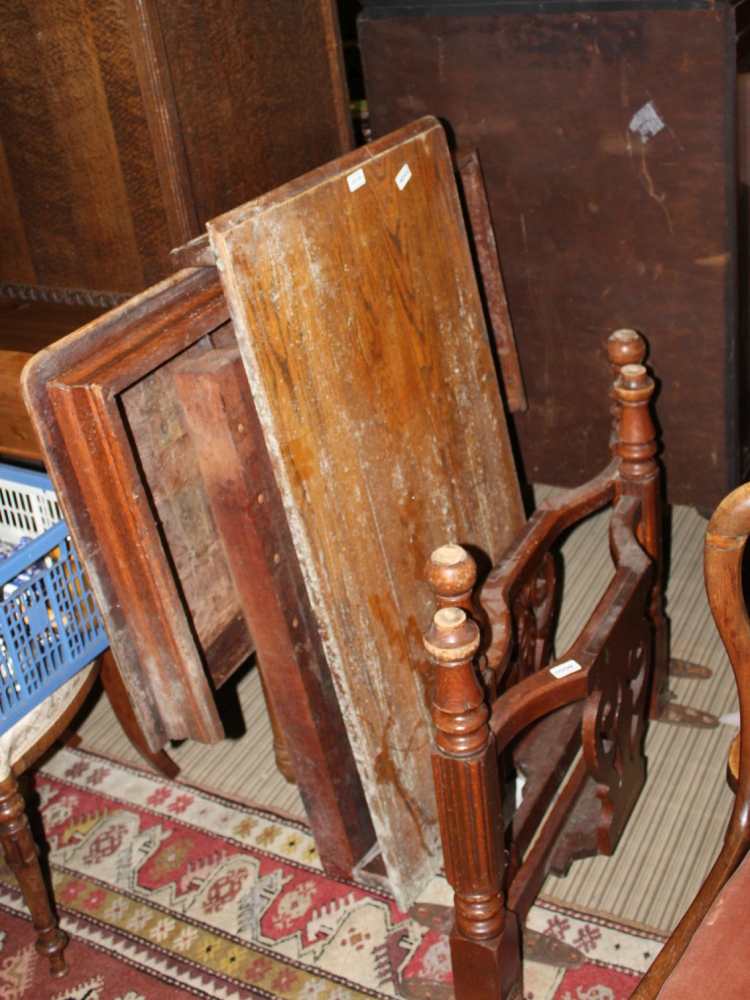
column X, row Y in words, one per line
column 23, row 858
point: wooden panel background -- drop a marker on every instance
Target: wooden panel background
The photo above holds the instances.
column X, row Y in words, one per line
column 260, row 93
column 597, row 229
column 127, row 123
column 79, row 160
column 361, row 330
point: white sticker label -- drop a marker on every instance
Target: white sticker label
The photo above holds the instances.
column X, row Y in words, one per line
column 563, row 669
column 646, row 122
column 356, row 180
column 730, row 719
column 403, row 177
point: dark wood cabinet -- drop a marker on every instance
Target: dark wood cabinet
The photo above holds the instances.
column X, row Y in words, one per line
column 607, row 136
column 126, row 124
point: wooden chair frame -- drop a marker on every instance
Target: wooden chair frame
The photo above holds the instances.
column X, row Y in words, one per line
column 726, row 540
column 518, row 708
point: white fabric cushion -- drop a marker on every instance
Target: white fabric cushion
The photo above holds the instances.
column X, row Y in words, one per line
column 27, row 731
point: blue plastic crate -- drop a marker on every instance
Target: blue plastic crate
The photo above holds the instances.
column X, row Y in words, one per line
column 50, row 626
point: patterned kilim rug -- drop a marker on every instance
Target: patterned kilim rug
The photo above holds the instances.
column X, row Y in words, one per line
column 167, row 891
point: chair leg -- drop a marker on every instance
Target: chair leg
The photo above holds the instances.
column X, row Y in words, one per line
column 490, row 969
column 23, row 858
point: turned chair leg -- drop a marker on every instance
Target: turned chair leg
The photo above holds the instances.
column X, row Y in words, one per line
column 23, row 858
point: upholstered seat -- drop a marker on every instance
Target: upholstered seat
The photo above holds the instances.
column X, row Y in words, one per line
column 21, row 737
column 717, row 960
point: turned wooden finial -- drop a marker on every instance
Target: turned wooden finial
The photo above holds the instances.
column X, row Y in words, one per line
column 639, row 475
column 624, row 347
column 452, row 574
column 452, row 637
column 458, row 709
column 636, row 439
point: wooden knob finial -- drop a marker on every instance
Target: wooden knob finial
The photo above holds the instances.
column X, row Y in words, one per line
column 452, row 638
column 626, row 347
column 634, row 384
column 452, row 574
column 448, row 619
column 636, row 439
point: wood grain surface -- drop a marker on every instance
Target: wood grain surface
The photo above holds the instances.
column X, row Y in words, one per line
column 360, row 326
column 272, row 104
column 82, row 176
column 128, row 123
column 31, row 326
column 167, row 457
column 17, row 437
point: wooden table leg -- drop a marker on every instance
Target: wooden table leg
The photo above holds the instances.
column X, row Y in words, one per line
column 281, row 750
column 118, row 699
column 251, row 523
column 23, row 858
